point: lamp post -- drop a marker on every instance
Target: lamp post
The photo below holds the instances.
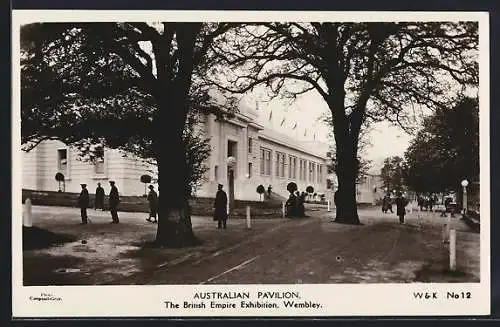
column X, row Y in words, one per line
column 464, row 198
column 231, row 162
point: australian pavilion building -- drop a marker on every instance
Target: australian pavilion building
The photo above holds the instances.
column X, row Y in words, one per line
column 244, row 154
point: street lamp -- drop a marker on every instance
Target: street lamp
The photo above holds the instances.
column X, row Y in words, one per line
column 231, row 162
column 464, row 199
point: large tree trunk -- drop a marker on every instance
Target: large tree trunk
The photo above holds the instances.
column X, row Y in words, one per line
column 347, row 211
column 174, row 220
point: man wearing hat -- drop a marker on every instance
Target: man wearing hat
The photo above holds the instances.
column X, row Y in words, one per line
column 99, row 197
column 220, row 205
column 114, row 200
column 83, row 203
column 153, row 203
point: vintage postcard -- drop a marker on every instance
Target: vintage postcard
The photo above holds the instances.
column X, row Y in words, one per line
column 244, row 164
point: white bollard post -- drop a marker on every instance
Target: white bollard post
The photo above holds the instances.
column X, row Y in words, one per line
column 446, row 232
column 283, row 209
column 328, row 205
column 27, row 217
column 453, row 249
column 249, row 224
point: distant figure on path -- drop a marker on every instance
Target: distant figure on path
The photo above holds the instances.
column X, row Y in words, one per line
column 220, row 205
column 291, row 206
column 99, row 197
column 83, row 203
column 432, row 201
column 387, row 204
column 269, row 189
column 301, row 208
column 114, row 200
column 153, row 204
column 401, row 203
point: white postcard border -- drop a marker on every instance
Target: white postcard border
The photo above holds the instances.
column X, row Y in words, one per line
column 333, row 299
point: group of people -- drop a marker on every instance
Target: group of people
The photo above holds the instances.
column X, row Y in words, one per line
column 84, row 201
column 427, row 201
column 114, row 201
column 294, row 206
column 401, row 203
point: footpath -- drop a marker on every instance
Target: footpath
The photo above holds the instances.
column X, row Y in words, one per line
column 309, row 250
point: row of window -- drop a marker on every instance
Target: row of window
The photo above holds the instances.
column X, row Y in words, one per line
column 62, row 160
column 308, row 170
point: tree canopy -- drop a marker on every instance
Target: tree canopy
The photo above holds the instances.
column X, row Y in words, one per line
column 127, row 86
column 363, row 71
column 392, row 173
column 446, row 150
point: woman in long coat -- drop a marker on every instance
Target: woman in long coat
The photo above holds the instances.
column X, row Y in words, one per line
column 220, row 205
column 401, row 204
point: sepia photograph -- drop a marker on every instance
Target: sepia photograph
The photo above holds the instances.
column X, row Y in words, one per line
column 253, row 164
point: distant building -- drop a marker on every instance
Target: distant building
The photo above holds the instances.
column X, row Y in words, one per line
column 369, row 189
column 259, row 156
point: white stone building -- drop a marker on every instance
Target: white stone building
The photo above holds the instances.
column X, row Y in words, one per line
column 261, row 156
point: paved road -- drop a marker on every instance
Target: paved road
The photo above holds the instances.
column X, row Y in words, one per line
column 315, row 250
column 310, row 250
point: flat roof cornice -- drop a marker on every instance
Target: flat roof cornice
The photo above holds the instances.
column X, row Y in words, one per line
column 288, row 145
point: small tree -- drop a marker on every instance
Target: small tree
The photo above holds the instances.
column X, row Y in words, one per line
column 310, row 189
column 59, row 179
column 261, row 190
column 291, row 187
column 146, row 179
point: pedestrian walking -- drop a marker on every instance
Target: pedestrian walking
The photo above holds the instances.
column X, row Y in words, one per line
column 83, row 203
column 220, row 205
column 269, row 189
column 99, row 197
column 114, row 200
column 291, row 206
column 301, row 208
column 387, row 203
column 153, row 204
column 401, row 203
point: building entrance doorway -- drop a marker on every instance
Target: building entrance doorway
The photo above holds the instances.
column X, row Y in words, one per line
column 231, row 166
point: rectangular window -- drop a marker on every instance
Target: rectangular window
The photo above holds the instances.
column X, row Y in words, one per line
column 282, row 165
column 262, row 162
column 268, row 162
column 277, row 171
column 265, row 161
column 99, row 160
column 216, row 172
column 292, row 168
column 250, row 145
column 249, row 170
column 62, row 160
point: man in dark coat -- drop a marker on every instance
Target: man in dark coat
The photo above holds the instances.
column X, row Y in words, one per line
column 83, row 203
column 220, row 205
column 291, row 206
column 153, row 204
column 301, row 207
column 269, row 189
column 99, row 197
column 401, row 204
column 114, row 200
column 387, row 203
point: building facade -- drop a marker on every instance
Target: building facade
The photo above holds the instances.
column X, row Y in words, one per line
column 370, row 189
column 244, row 155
